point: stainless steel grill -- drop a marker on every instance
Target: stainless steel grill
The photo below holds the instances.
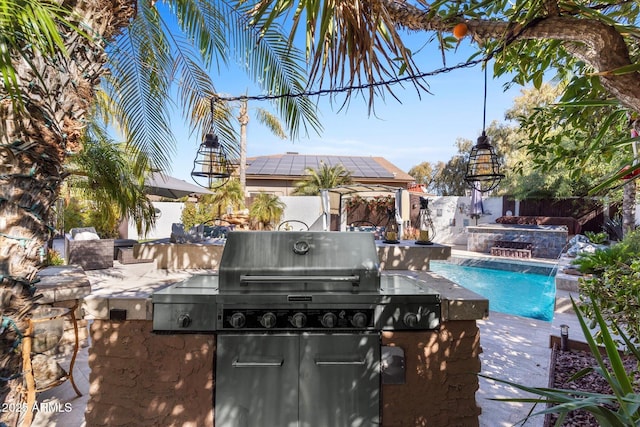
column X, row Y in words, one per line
column 297, row 281
column 298, row 317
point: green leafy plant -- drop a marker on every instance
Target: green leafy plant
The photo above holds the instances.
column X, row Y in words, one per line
column 197, row 213
column 597, row 262
column 614, row 282
column 597, row 238
column 621, row 408
column 54, row 258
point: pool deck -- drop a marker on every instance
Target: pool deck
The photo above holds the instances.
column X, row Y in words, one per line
column 514, row 349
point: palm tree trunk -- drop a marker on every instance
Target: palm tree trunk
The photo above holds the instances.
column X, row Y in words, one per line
column 57, row 93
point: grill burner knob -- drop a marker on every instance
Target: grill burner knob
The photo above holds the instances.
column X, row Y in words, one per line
column 298, row 320
column 359, row 320
column 268, row 320
column 329, row 320
column 411, row 320
column 184, row 321
column 238, row 320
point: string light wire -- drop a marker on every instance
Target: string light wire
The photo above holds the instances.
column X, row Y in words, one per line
column 344, row 89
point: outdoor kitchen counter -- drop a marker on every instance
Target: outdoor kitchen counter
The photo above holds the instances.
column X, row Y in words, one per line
column 405, row 255
column 114, row 292
column 142, row 378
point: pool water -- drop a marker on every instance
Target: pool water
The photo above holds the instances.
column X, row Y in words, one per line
column 523, row 294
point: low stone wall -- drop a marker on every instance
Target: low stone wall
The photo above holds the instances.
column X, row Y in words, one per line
column 548, row 241
column 143, row 379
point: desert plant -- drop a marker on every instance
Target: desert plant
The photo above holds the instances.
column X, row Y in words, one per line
column 613, row 226
column 619, row 409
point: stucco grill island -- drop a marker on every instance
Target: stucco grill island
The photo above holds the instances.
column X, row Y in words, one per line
column 294, row 328
column 299, row 311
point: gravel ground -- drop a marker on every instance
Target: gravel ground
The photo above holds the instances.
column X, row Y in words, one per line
column 568, row 363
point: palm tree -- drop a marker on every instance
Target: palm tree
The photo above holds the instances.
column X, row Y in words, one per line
column 266, row 210
column 324, row 177
column 62, row 63
column 103, row 173
column 229, row 195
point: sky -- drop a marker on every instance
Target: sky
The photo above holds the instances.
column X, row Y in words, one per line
column 420, row 128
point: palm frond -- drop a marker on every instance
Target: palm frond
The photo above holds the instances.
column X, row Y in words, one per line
column 139, row 87
column 271, row 122
column 25, row 26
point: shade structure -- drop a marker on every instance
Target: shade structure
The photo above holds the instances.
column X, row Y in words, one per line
column 159, row 184
column 332, row 201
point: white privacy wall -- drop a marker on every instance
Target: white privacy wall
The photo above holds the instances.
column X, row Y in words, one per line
column 450, row 216
column 170, row 212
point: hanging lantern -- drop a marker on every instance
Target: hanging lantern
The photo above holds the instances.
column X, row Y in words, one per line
column 483, row 170
column 211, row 167
column 427, row 230
column 391, row 230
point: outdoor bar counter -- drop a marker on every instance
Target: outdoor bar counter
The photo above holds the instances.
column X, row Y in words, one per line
column 142, row 378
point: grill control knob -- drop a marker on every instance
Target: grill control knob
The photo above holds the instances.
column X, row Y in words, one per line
column 184, row 320
column 238, row 320
column 411, row 320
column 298, row 320
column 359, row 320
column 329, row 320
column 268, row 320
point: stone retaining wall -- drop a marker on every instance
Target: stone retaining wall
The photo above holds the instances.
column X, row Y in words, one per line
column 548, row 241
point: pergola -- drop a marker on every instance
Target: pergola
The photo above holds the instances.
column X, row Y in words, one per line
column 332, row 202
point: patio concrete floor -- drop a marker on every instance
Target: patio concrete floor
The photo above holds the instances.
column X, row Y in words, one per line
column 513, row 348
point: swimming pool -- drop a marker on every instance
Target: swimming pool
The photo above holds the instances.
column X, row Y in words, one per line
column 512, row 292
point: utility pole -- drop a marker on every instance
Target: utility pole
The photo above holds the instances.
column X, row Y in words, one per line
column 243, row 119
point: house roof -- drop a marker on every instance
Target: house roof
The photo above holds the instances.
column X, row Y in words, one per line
column 294, row 164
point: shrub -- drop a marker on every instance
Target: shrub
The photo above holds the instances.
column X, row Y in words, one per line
column 196, row 213
column 614, row 284
column 596, row 238
column 54, row 258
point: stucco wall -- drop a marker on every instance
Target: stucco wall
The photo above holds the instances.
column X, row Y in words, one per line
column 142, row 379
column 441, row 379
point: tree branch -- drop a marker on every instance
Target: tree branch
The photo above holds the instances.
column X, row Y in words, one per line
column 599, row 45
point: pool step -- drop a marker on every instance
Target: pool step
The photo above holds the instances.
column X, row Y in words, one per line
column 563, row 301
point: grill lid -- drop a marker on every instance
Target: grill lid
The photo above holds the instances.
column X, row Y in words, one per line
column 266, row 261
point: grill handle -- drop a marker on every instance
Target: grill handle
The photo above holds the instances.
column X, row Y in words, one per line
column 332, row 362
column 267, row 363
column 280, row 279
